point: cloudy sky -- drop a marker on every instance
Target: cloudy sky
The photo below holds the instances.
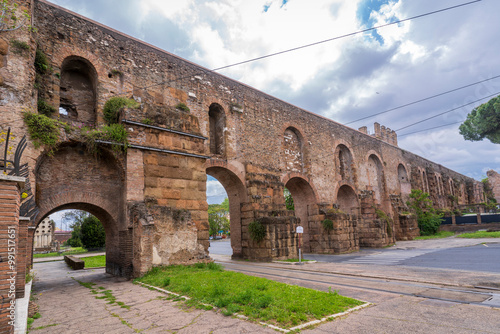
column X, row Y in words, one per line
column 345, row 79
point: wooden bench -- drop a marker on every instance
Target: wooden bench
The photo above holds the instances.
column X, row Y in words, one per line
column 74, row 262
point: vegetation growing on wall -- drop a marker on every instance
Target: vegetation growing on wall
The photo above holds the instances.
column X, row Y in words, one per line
column 327, row 224
column 257, row 231
column 388, row 220
column 10, row 18
column 43, row 131
column 114, row 133
column 19, row 47
column 428, row 219
column 183, row 107
column 44, row 108
column 113, row 106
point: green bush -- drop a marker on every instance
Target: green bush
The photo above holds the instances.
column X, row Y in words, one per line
column 428, row 220
column 19, row 46
column 257, row 231
column 327, row 224
column 44, row 108
column 113, row 106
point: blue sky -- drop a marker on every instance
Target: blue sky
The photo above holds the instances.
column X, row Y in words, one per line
column 346, row 79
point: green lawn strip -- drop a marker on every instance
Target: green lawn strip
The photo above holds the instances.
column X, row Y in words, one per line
column 439, row 235
column 479, row 234
column 94, row 261
column 257, row 298
column 103, row 294
column 73, row 251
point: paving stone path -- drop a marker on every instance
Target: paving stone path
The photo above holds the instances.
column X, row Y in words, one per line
column 69, row 307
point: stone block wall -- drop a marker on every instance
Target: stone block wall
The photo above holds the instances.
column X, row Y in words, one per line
column 343, row 238
column 494, row 182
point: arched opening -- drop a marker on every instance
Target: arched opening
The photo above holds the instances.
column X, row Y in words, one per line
column 74, row 179
column 347, row 200
column 78, row 90
column 236, row 195
column 403, row 181
column 376, row 178
column 345, row 164
column 292, row 147
column 217, row 123
column 303, row 200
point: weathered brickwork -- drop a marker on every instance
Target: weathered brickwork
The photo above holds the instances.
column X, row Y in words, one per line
column 494, row 182
column 11, row 252
column 152, row 199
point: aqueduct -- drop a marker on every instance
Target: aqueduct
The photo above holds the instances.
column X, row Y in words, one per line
column 152, row 198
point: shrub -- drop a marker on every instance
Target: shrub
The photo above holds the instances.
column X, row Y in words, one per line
column 42, row 129
column 327, row 224
column 113, row 106
column 41, row 62
column 44, row 108
column 257, row 231
column 183, row 107
column 114, row 133
column 93, row 235
column 428, row 220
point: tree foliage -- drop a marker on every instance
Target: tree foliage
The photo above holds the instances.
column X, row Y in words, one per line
column 93, row 235
column 483, row 122
column 428, row 219
column 288, row 200
column 218, row 217
column 88, row 231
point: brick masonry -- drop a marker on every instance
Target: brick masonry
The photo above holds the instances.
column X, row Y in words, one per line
column 12, row 250
column 152, row 199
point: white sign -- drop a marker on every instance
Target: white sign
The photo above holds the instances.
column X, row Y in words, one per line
column 300, row 229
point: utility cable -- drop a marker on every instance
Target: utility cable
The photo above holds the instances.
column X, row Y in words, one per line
column 436, row 127
column 445, row 112
column 422, row 100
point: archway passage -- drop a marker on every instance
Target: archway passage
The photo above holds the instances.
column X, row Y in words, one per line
column 236, row 195
column 347, row 200
column 303, row 199
column 75, row 179
column 78, row 90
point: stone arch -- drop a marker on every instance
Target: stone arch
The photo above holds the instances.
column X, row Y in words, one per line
column 347, row 199
column 345, row 163
column 217, row 124
column 451, row 185
column 293, row 143
column 78, row 90
column 403, row 180
column 75, row 179
column 376, row 178
column 237, row 195
column 304, row 199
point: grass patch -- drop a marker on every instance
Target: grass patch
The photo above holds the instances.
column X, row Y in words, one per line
column 101, row 293
column 479, row 234
column 94, row 261
column 438, row 235
column 257, row 298
column 43, row 327
column 72, row 251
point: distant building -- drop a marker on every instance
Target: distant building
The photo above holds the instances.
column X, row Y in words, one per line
column 44, row 235
column 62, row 236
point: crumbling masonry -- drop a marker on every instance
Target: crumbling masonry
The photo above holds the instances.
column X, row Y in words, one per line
column 151, row 200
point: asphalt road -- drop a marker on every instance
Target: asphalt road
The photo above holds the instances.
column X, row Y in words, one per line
column 482, row 257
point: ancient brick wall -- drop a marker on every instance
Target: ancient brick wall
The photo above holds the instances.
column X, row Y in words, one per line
column 254, row 144
column 11, row 250
column 342, row 238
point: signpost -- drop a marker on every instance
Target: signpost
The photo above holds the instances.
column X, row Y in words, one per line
column 300, row 230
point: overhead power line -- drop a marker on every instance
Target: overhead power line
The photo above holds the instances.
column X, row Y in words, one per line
column 435, row 127
column 320, row 42
column 346, row 35
column 445, row 112
column 424, row 99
